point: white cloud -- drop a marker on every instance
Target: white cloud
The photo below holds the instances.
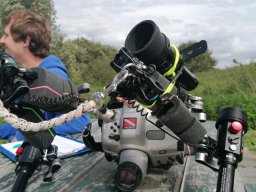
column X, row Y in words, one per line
column 228, row 26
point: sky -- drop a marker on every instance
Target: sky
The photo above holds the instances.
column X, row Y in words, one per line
column 228, row 26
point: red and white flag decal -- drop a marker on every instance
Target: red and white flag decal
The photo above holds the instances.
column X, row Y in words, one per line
column 129, row 123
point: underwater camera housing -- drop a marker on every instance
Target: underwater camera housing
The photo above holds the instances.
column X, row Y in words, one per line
column 136, row 140
column 153, row 80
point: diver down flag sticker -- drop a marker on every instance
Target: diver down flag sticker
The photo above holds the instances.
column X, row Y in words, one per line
column 129, row 123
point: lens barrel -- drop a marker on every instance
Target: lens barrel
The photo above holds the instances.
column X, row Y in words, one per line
column 128, row 177
column 131, row 170
column 148, row 44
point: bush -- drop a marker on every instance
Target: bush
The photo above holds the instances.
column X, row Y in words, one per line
column 231, row 87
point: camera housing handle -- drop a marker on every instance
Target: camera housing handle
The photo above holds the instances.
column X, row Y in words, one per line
column 193, row 50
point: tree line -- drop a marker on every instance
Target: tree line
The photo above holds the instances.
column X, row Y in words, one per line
column 86, row 61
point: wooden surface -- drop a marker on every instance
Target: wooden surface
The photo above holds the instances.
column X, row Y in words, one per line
column 92, row 173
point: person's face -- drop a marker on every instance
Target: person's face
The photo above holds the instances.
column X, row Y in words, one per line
column 16, row 49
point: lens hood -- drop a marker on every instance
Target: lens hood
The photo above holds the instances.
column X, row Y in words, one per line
column 147, row 43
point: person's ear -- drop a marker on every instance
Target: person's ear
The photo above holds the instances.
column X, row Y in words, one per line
column 27, row 41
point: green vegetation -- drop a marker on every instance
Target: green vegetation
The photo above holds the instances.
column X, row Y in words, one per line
column 231, row 87
column 203, row 62
column 87, row 61
column 3, row 141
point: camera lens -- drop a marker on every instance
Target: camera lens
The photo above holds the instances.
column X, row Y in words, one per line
column 128, row 176
column 131, row 170
column 148, row 44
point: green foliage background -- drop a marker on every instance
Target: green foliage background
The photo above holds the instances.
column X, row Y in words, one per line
column 231, row 87
column 87, row 61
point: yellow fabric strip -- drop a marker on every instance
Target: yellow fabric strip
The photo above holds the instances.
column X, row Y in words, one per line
column 171, row 71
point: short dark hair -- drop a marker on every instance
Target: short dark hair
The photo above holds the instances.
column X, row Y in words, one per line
column 23, row 24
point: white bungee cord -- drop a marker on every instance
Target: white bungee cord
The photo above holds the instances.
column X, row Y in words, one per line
column 24, row 125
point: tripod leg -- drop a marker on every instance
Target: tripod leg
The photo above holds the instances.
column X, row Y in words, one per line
column 28, row 161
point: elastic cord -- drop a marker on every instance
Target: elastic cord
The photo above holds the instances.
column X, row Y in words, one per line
column 171, row 71
column 46, row 87
column 39, row 117
column 28, row 108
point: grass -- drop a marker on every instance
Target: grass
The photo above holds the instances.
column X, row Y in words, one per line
column 250, row 140
column 231, row 87
column 3, row 141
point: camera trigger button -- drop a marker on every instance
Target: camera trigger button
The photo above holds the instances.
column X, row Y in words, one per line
column 114, row 137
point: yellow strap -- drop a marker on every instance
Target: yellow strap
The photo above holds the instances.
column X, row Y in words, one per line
column 171, row 71
column 149, row 106
column 169, row 88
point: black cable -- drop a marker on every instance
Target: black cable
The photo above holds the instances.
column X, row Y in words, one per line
column 133, row 104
